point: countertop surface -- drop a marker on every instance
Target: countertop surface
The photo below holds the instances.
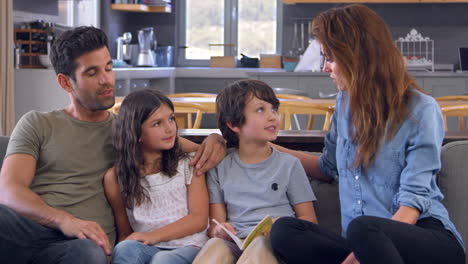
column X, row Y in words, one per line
column 207, row 72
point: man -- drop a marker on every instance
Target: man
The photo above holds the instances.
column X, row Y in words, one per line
column 52, row 203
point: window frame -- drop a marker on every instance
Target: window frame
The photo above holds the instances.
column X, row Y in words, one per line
column 230, row 31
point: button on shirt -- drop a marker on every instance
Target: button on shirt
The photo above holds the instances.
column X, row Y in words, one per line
column 403, row 171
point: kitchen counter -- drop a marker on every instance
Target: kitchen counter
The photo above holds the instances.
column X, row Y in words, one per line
column 189, row 72
column 207, row 72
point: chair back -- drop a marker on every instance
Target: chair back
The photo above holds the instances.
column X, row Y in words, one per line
column 184, row 111
column 452, row 98
column 453, row 180
column 298, row 107
column 3, row 148
column 192, row 95
column 461, row 111
column 292, row 96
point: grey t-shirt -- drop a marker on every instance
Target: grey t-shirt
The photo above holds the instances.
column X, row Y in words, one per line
column 251, row 191
column 71, row 159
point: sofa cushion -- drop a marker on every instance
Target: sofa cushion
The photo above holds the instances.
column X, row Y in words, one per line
column 453, row 182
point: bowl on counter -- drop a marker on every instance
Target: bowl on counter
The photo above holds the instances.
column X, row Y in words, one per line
column 45, row 61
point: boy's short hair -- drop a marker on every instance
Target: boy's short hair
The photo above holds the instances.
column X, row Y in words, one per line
column 231, row 101
column 72, row 44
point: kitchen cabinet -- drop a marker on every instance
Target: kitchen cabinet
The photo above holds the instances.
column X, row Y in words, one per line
column 443, row 86
column 142, row 8
column 371, row 1
column 290, row 82
column 317, row 85
column 202, row 85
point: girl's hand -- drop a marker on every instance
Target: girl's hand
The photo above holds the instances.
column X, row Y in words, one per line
column 219, row 232
column 351, row 259
column 145, row 238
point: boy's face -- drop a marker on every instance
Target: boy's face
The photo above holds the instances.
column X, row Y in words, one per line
column 261, row 121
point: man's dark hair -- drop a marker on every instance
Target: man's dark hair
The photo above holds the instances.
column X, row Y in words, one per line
column 72, row 44
column 231, row 101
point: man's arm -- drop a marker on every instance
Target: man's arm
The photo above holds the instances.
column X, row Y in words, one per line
column 209, row 153
column 15, row 178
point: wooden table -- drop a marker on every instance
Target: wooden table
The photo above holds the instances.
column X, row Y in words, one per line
column 306, row 140
column 210, row 102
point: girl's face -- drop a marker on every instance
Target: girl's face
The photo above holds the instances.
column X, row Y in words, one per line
column 158, row 132
column 335, row 74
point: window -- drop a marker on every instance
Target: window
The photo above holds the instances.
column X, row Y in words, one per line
column 79, row 13
column 227, row 27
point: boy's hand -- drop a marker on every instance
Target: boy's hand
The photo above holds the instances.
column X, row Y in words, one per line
column 219, row 232
column 211, row 152
column 145, row 238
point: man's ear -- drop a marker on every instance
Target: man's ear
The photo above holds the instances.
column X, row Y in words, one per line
column 65, row 82
column 235, row 129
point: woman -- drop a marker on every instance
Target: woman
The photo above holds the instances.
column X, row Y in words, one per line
column 383, row 148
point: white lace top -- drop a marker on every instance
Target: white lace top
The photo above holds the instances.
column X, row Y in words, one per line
column 168, row 204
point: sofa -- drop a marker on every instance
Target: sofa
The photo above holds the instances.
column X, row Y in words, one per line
column 452, row 180
column 3, row 147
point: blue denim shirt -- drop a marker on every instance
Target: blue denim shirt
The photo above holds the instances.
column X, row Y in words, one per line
column 404, row 170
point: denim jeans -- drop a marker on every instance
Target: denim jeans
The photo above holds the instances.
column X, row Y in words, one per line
column 134, row 252
column 25, row 241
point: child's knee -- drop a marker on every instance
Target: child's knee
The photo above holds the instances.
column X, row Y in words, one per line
column 215, row 250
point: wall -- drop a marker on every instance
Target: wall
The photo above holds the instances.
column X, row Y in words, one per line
column 48, row 7
column 446, row 24
column 27, row 10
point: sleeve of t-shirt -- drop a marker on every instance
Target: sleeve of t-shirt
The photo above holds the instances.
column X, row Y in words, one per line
column 299, row 189
column 26, row 136
column 214, row 187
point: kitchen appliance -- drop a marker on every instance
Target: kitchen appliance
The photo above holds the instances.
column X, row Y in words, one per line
column 463, row 53
column 164, row 56
column 123, row 51
column 147, row 44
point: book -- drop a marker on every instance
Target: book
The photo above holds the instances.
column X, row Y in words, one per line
column 263, row 226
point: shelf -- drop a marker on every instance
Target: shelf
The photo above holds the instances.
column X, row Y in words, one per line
column 142, row 8
column 33, row 42
column 30, row 30
column 33, row 54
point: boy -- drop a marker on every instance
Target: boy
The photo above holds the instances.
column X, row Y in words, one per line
column 254, row 180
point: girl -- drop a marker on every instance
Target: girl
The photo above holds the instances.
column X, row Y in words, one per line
column 152, row 184
column 384, row 148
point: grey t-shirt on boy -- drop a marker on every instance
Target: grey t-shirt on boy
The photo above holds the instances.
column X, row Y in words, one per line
column 251, row 191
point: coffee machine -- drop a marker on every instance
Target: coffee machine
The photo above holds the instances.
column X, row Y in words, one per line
column 123, row 51
column 147, row 44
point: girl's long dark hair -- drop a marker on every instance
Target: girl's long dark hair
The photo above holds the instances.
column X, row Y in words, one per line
column 134, row 110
